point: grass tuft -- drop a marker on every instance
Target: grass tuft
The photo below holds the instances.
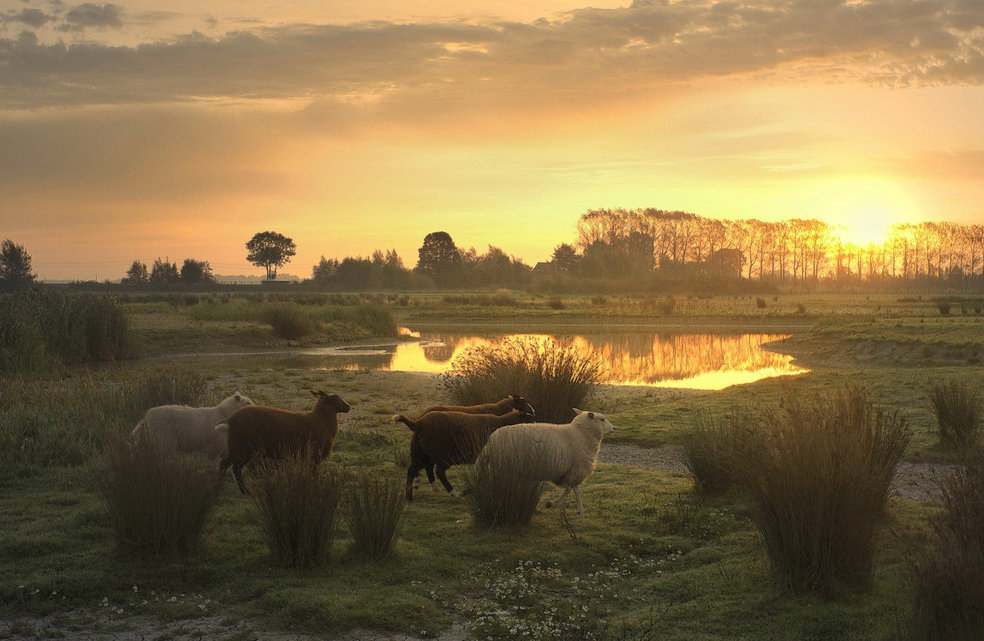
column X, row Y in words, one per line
column 554, row 376
column 713, row 447
column 949, row 595
column 958, row 414
column 819, row 478
column 374, row 513
column 158, row 504
column 297, row 503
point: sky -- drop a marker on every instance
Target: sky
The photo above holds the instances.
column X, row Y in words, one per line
column 137, row 130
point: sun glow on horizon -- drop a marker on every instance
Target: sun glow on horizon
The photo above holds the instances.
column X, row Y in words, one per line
column 864, row 210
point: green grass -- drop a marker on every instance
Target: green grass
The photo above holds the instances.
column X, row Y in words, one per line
column 650, row 558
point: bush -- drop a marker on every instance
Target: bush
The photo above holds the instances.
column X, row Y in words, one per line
column 297, row 502
column 289, row 321
column 944, row 307
column 158, row 504
column 819, row 476
column 760, row 302
column 555, row 377
column 36, row 432
column 504, row 492
column 949, row 596
column 374, row 512
column 958, row 414
column 713, row 448
column 41, row 329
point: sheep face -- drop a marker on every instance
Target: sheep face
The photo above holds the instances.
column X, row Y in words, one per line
column 330, row 402
column 597, row 421
column 523, row 405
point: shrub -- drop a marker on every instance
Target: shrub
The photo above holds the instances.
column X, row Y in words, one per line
column 555, row 303
column 713, row 448
column 374, row 512
column 297, row 503
column 504, row 492
column 944, row 307
column 819, row 475
column 668, row 304
column 760, row 302
column 158, row 504
column 554, row 376
column 958, row 413
column 289, row 321
column 949, row 595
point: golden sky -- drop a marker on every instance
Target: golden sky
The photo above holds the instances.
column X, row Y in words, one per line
column 139, row 129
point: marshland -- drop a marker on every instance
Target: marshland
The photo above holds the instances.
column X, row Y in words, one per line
column 673, row 544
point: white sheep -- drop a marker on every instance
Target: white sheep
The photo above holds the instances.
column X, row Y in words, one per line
column 180, row 428
column 561, row 454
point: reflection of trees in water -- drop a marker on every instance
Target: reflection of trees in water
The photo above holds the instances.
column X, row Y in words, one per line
column 653, row 358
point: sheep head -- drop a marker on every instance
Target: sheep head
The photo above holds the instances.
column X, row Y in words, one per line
column 523, row 405
column 595, row 420
column 330, row 402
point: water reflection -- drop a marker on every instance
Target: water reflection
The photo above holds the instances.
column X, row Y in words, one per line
column 702, row 361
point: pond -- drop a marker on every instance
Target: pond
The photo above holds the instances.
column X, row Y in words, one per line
column 697, row 361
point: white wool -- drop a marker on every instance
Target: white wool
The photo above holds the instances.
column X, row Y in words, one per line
column 180, row 428
column 561, row 454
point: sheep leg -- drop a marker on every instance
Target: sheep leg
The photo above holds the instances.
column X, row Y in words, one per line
column 577, row 495
column 237, row 471
column 412, row 471
column 442, row 475
column 430, row 477
column 559, row 501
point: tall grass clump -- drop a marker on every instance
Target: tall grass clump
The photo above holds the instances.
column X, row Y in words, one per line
column 714, row 447
column 958, row 414
column 504, row 491
column 70, row 422
column 158, row 504
column 949, row 581
column 363, row 319
column 374, row 512
column 289, row 321
column 297, row 503
column 42, row 329
column 819, row 477
column 554, row 376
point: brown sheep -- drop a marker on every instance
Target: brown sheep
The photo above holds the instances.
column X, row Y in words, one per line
column 443, row 439
column 274, row 432
column 509, row 403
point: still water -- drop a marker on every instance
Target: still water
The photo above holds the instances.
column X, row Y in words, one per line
column 700, row 361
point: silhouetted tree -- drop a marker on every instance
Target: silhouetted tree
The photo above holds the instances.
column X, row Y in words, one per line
column 439, row 258
column 325, row 271
column 196, row 272
column 16, row 271
column 565, row 258
column 138, row 274
column 164, row 272
column 270, row 250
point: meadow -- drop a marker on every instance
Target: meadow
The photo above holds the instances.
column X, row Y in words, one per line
column 651, row 557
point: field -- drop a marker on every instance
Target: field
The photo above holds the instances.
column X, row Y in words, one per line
column 650, row 559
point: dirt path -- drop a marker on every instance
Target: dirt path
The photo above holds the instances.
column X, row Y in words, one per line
column 920, row 481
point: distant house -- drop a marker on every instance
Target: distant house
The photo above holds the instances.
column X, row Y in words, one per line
column 545, row 269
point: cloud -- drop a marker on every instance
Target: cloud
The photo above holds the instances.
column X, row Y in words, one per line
column 29, row 16
column 433, row 71
column 93, row 16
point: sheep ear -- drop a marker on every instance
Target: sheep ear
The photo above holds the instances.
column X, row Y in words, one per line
column 591, row 415
column 576, row 411
column 316, row 393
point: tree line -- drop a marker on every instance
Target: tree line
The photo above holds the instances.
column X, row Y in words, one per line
column 625, row 250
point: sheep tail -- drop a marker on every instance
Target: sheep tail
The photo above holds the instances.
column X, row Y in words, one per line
column 141, row 426
column 400, row 418
column 221, row 427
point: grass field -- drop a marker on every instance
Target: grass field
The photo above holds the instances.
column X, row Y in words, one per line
column 650, row 559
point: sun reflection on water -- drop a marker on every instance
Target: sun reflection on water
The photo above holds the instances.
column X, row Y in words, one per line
column 701, row 361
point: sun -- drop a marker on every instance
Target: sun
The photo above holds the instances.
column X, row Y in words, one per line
column 863, row 211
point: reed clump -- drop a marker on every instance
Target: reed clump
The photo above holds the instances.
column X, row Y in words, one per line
column 504, row 491
column 949, row 581
column 158, row 504
column 958, row 414
column 715, row 446
column 374, row 513
column 819, row 476
column 555, row 376
column 297, row 504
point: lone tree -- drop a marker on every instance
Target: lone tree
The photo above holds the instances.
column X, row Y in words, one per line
column 138, row 274
column 439, row 258
column 270, row 250
column 16, row 271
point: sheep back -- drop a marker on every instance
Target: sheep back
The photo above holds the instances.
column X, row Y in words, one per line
column 561, row 454
column 458, row 437
column 180, row 428
column 503, row 406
